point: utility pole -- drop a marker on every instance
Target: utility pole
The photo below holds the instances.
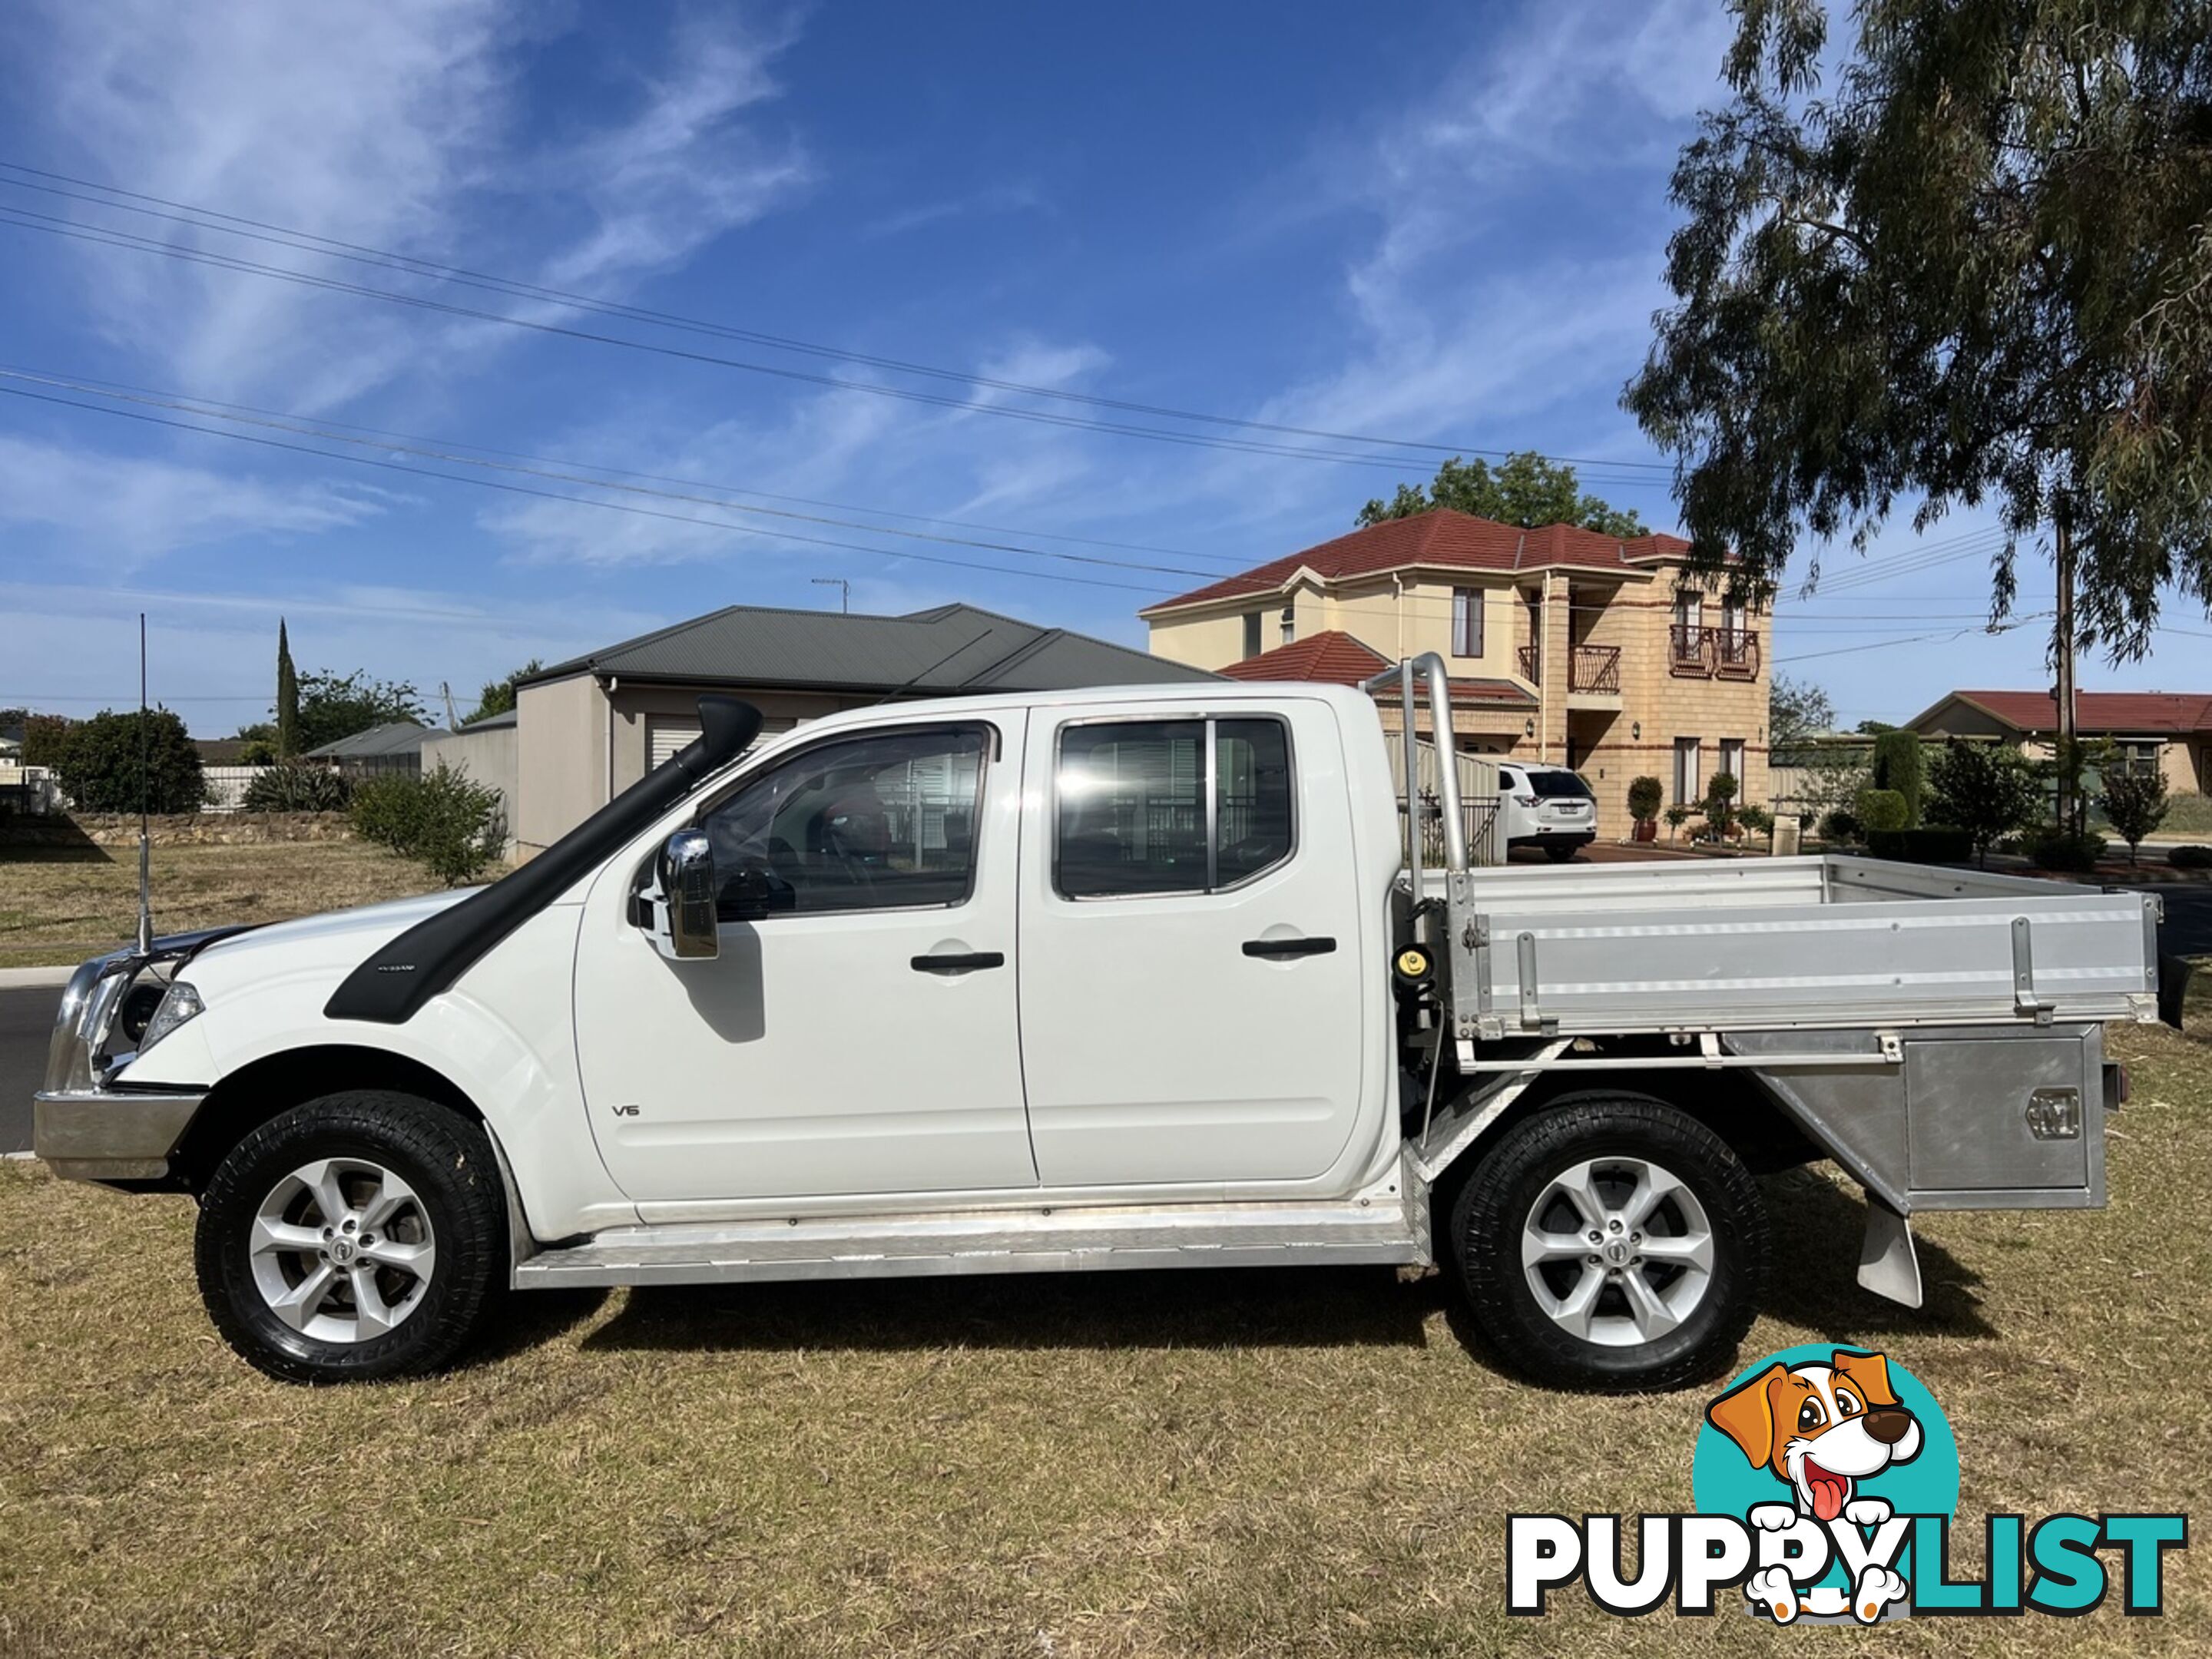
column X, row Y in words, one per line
column 844, row 591
column 2069, row 760
column 453, row 721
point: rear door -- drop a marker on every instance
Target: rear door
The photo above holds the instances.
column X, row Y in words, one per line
column 1190, row 960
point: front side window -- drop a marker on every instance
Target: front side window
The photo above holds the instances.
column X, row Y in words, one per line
column 880, row 822
column 1169, row 806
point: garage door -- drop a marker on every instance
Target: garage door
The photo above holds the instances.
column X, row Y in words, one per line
column 665, row 736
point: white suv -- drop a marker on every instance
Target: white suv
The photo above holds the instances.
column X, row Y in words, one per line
column 1545, row 806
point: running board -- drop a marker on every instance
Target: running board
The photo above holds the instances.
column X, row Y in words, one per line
column 1347, row 1232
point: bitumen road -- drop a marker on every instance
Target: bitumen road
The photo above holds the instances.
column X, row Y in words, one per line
column 26, row 1016
column 27, row 1021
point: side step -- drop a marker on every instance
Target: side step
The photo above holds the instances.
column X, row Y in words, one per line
column 1345, row 1232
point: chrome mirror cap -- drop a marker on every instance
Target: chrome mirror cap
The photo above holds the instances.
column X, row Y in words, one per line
column 685, row 929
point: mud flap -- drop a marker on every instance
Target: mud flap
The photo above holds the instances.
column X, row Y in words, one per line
column 1888, row 1265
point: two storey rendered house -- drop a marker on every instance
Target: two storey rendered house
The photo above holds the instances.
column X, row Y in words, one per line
column 1565, row 645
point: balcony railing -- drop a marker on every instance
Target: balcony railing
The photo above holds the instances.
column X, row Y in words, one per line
column 1689, row 650
column 1594, row 668
column 1737, row 654
column 1531, row 663
column 1730, row 653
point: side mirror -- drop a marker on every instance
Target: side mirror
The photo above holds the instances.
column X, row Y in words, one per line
column 684, row 922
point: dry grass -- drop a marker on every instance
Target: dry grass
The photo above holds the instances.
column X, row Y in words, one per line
column 63, row 908
column 1236, row 1462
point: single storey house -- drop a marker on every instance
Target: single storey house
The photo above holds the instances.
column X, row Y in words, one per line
column 2169, row 731
column 588, row 728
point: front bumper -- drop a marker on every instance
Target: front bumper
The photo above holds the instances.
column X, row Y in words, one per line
column 84, row 1126
column 102, row 1134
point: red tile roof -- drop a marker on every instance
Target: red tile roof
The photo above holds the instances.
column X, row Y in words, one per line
column 1441, row 537
column 2098, row 711
column 1336, row 658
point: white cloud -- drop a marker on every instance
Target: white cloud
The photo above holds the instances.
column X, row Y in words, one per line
column 387, row 123
column 135, row 509
column 683, row 170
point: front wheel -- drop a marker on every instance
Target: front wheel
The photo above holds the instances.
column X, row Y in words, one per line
column 357, row 1237
column 1611, row 1241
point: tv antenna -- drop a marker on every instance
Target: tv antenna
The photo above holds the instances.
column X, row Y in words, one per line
column 844, row 591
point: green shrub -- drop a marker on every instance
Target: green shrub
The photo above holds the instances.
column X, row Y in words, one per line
column 2190, row 858
column 1720, row 794
column 450, row 825
column 2061, row 849
column 1898, row 769
column 293, row 788
column 1646, row 795
column 2135, row 804
column 1987, row 789
column 1756, row 819
column 1931, row 844
column 1839, row 825
column 1677, row 816
column 1883, row 809
column 99, row 764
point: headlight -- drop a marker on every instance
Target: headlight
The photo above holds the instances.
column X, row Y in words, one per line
column 181, row 1003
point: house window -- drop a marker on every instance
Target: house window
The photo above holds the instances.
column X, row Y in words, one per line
column 2141, row 758
column 1289, row 623
column 1466, row 622
column 1689, row 779
column 1252, row 646
column 1689, row 611
column 1732, row 621
column 1732, row 762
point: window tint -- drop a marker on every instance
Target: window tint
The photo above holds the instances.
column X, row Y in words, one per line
column 870, row 822
column 1558, row 786
column 1131, row 802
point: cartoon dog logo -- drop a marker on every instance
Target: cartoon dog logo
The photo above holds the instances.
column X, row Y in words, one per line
column 1821, row 1431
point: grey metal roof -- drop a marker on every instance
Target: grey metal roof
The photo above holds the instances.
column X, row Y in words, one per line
column 953, row 648
column 400, row 737
column 488, row 723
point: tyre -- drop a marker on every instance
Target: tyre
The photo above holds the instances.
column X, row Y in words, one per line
column 1561, row 851
column 1612, row 1241
column 357, row 1237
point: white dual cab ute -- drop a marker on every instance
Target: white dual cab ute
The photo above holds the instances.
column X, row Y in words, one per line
column 1117, row 978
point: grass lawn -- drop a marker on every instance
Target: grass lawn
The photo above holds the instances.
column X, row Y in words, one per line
column 1236, row 1463
column 62, row 908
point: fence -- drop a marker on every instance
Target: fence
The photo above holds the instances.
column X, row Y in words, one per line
column 226, row 785
column 1478, row 794
column 30, row 791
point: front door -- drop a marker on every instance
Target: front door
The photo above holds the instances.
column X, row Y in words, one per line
column 858, row 1032
column 1193, row 977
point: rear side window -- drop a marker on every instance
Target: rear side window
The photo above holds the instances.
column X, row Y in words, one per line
column 1171, row 806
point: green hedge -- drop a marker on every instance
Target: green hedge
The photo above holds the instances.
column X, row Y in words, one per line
column 1936, row 844
column 1883, row 808
column 2060, row 850
column 2191, row 857
column 1897, row 767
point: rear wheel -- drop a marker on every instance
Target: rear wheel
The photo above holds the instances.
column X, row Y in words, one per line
column 1561, row 851
column 1612, row 1241
column 356, row 1236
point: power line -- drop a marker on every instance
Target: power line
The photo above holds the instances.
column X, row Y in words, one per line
column 1912, row 639
column 205, row 404
column 309, row 241
column 109, row 236
column 576, row 501
column 422, row 449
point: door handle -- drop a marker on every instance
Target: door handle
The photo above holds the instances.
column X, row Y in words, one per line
column 1280, row 949
column 959, row 962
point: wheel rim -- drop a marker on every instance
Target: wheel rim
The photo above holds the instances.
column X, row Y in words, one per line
column 343, row 1251
column 1617, row 1251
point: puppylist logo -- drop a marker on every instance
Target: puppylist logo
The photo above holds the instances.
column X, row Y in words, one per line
column 1825, row 1481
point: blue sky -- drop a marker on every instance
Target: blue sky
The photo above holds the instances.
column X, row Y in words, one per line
column 1430, row 222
